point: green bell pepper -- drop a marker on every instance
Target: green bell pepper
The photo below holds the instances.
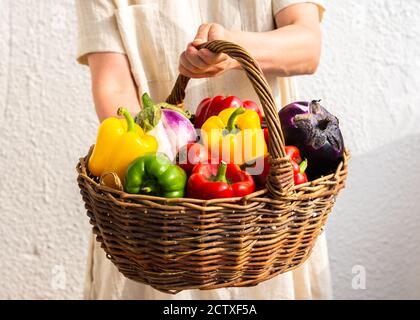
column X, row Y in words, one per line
column 155, row 174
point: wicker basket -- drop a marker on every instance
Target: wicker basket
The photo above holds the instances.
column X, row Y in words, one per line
column 178, row 244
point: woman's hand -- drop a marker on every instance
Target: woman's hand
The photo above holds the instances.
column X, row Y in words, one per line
column 203, row 63
column 294, row 48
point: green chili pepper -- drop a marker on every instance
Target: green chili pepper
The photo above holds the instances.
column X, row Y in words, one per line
column 155, row 174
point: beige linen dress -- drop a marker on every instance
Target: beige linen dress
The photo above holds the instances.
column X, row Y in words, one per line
column 153, row 33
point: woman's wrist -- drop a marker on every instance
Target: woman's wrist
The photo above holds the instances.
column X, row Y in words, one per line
column 231, row 36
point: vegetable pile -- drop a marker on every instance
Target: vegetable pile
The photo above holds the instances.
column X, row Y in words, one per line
column 222, row 154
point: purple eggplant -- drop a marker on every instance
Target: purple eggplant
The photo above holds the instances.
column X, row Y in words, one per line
column 316, row 133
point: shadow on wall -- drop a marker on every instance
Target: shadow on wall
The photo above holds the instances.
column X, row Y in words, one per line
column 375, row 225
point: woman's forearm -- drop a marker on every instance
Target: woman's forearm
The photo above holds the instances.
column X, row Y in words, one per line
column 112, row 84
column 287, row 51
column 294, row 48
column 108, row 102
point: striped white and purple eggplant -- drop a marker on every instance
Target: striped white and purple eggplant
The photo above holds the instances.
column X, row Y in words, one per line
column 168, row 124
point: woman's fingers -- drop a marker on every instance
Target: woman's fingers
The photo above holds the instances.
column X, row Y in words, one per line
column 203, row 58
column 186, row 72
column 201, row 63
column 192, row 56
column 209, row 72
column 202, row 34
column 211, row 58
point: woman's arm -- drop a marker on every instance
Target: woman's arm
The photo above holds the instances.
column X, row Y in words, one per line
column 112, row 84
column 292, row 49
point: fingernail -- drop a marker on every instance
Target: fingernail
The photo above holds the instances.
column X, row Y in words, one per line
column 198, row 41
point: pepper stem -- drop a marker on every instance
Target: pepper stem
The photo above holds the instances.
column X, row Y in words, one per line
column 221, row 172
column 147, row 101
column 231, row 125
column 128, row 117
column 303, row 165
column 149, row 187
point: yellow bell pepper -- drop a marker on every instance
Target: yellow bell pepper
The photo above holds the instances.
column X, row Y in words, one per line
column 235, row 135
column 118, row 143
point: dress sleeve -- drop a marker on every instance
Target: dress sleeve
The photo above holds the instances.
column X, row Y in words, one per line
column 97, row 27
column 281, row 4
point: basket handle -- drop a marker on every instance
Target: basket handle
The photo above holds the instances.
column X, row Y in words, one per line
column 280, row 178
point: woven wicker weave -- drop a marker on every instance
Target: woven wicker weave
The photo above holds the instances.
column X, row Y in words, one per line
column 178, row 244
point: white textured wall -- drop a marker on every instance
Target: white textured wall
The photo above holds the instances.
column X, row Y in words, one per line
column 369, row 77
column 47, row 122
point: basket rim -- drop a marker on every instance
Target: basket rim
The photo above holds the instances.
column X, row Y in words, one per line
column 308, row 190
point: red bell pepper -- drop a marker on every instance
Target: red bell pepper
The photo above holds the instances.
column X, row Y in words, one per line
column 213, row 106
column 211, row 181
column 260, row 178
column 298, row 165
column 190, row 155
column 266, row 136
